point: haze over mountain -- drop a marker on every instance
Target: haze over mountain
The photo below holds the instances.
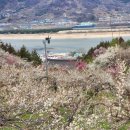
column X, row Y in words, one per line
column 20, row 10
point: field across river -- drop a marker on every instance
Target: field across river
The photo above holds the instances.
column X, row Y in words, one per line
column 72, row 34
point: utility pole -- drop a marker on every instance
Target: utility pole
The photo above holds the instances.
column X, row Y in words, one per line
column 119, row 31
column 111, row 25
column 47, row 40
column 119, row 26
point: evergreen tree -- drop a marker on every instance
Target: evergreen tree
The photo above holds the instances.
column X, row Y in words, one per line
column 35, row 58
column 3, row 46
column 114, row 42
column 8, row 48
column 128, row 42
column 11, row 49
column 24, row 53
column 120, row 40
column 89, row 56
column 91, row 50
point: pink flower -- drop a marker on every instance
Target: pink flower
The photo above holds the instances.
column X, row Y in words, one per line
column 99, row 51
column 10, row 60
column 113, row 70
column 80, row 65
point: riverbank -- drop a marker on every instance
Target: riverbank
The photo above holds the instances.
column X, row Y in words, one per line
column 67, row 35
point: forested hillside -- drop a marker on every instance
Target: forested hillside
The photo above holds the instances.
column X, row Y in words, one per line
column 59, row 9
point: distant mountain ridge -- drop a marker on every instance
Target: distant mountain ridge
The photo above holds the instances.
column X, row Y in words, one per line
column 76, row 10
column 126, row 1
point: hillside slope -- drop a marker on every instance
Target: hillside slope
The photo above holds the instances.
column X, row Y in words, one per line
column 96, row 98
column 59, row 9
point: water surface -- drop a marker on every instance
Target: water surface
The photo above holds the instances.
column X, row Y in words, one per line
column 59, row 45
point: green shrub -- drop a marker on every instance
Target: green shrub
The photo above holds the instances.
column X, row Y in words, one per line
column 35, row 58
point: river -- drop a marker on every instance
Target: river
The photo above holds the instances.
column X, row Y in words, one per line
column 59, row 45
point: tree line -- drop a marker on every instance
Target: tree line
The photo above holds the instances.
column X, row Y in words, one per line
column 33, row 31
column 89, row 57
column 36, row 60
column 23, row 53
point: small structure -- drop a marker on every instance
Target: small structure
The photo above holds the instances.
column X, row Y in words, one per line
column 84, row 25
